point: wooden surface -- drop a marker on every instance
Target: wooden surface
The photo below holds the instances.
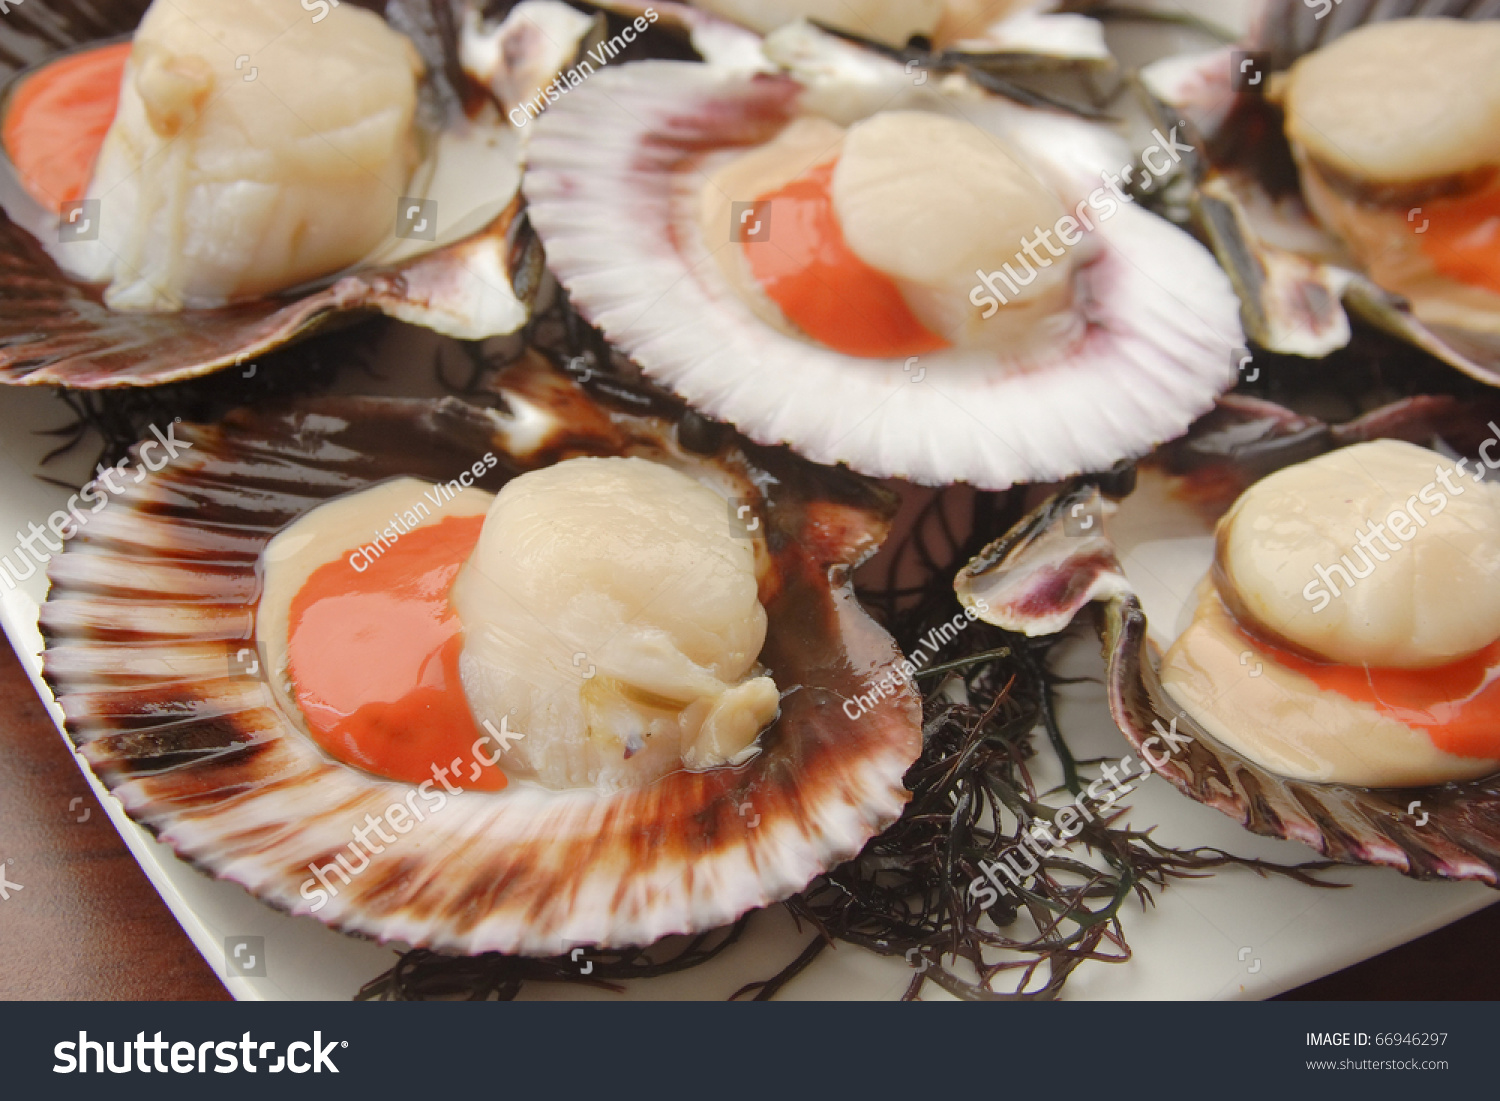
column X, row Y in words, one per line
column 87, row 924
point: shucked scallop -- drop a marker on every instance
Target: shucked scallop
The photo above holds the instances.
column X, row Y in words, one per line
column 890, row 184
column 1353, row 176
column 1279, row 736
column 1405, row 103
column 900, row 177
column 1396, row 131
column 1384, row 553
column 485, row 861
column 603, row 612
column 1362, row 583
column 214, row 187
column 612, row 614
column 918, row 280
column 262, row 167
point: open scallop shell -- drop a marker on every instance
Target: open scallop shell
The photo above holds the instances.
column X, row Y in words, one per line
column 1142, row 556
column 151, row 606
column 612, row 183
column 1298, row 285
column 57, row 331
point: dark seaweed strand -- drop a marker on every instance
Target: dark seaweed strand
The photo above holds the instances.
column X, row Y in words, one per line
column 423, row 975
column 908, row 893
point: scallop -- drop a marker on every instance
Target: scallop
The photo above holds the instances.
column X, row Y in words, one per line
column 1296, row 550
column 918, row 280
column 151, row 653
column 223, row 219
column 633, row 565
column 1406, row 179
column 210, row 189
column 1247, row 727
column 1346, row 183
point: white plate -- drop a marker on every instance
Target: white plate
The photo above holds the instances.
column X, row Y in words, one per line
column 1232, row 935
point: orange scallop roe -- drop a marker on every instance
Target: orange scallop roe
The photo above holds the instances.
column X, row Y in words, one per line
column 807, row 268
column 1462, row 239
column 1457, row 705
column 56, row 122
column 374, row 661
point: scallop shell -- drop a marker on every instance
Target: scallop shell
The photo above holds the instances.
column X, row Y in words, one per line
column 152, row 608
column 1297, row 284
column 55, row 331
column 611, row 189
column 1151, row 548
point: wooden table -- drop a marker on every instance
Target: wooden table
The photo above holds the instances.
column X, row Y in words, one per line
column 87, row 923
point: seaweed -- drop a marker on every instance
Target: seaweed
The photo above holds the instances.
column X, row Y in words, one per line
column 422, row 974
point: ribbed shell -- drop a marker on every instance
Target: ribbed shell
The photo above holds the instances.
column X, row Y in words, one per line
column 611, row 184
column 152, row 604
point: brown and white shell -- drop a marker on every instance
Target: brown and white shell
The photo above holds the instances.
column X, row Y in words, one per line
column 151, row 609
column 56, row 331
column 1081, row 547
